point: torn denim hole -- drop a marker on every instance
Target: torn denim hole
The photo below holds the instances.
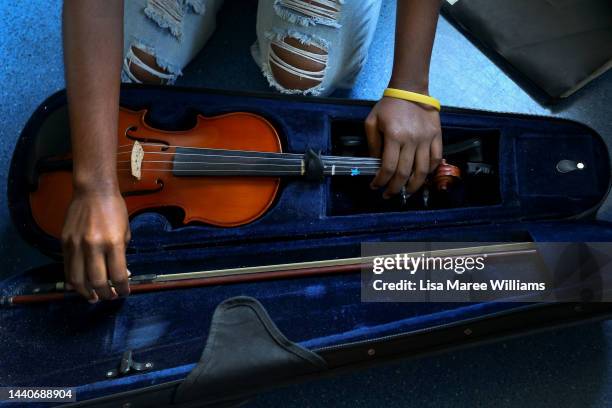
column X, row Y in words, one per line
column 131, row 58
column 197, row 6
column 276, row 35
column 170, row 14
column 279, row 62
column 309, row 12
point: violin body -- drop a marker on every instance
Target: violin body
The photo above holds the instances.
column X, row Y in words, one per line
column 221, row 201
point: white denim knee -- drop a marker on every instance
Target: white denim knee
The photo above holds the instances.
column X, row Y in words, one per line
column 332, row 41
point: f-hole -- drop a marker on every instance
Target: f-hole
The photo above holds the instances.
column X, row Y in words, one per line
column 134, row 128
column 160, row 187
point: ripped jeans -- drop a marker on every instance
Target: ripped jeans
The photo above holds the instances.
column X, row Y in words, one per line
column 303, row 46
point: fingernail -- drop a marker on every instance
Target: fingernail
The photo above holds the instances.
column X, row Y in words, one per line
column 114, row 292
column 94, row 298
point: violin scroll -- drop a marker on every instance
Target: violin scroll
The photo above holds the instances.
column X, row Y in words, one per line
column 445, row 176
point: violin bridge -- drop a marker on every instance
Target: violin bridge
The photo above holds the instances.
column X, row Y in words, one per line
column 136, row 160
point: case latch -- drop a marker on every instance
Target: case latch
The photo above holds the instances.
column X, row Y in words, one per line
column 127, row 365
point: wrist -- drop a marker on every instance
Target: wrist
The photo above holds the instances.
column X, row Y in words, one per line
column 93, row 185
column 412, row 85
column 411, row 96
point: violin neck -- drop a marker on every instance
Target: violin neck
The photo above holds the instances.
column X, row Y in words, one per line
column 349, row 166
column 219, row 162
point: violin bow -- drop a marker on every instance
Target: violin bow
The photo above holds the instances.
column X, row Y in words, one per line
column 154, row 283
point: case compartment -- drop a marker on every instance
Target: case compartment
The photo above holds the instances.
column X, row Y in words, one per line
column 476, row 148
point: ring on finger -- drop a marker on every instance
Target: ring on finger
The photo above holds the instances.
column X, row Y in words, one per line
column 404, row 195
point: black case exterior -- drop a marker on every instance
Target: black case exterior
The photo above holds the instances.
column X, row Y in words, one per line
column 554, row 46
column 220, row 388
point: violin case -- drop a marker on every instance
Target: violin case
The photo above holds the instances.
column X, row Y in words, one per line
column 220, row 345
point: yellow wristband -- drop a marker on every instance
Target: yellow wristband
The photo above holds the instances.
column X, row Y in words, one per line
column 412, row 97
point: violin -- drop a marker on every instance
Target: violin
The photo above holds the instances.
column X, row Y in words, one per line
column 225, row 171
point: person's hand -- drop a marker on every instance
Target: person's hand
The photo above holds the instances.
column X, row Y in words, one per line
column 94, row 239
column 410, row 139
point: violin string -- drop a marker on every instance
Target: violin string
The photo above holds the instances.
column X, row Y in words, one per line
column 337, row 166
column 130, row 146
column 326, row 159
column 129, row 150
column 248, row 167
column 297, row 156
column 219, row 170
column 346, row 170
column 216, row 171
column 201, row 148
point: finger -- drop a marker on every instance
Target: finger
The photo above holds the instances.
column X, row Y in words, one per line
column 94, row 298
column 436, row 152
column 96, row 272
column 74, row 266
column 117, row 270
column 389, row 164
column 67, row 261
column 74, row 270
column 373, row 135
column 420, row 169
column 403, row 172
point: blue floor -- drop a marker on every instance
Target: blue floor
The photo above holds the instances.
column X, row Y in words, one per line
column 570, row 367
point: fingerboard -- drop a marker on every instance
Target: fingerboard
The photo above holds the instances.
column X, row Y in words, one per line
column 220, row 162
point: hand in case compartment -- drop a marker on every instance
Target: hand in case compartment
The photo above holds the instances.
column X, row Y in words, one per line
column 410, row 140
